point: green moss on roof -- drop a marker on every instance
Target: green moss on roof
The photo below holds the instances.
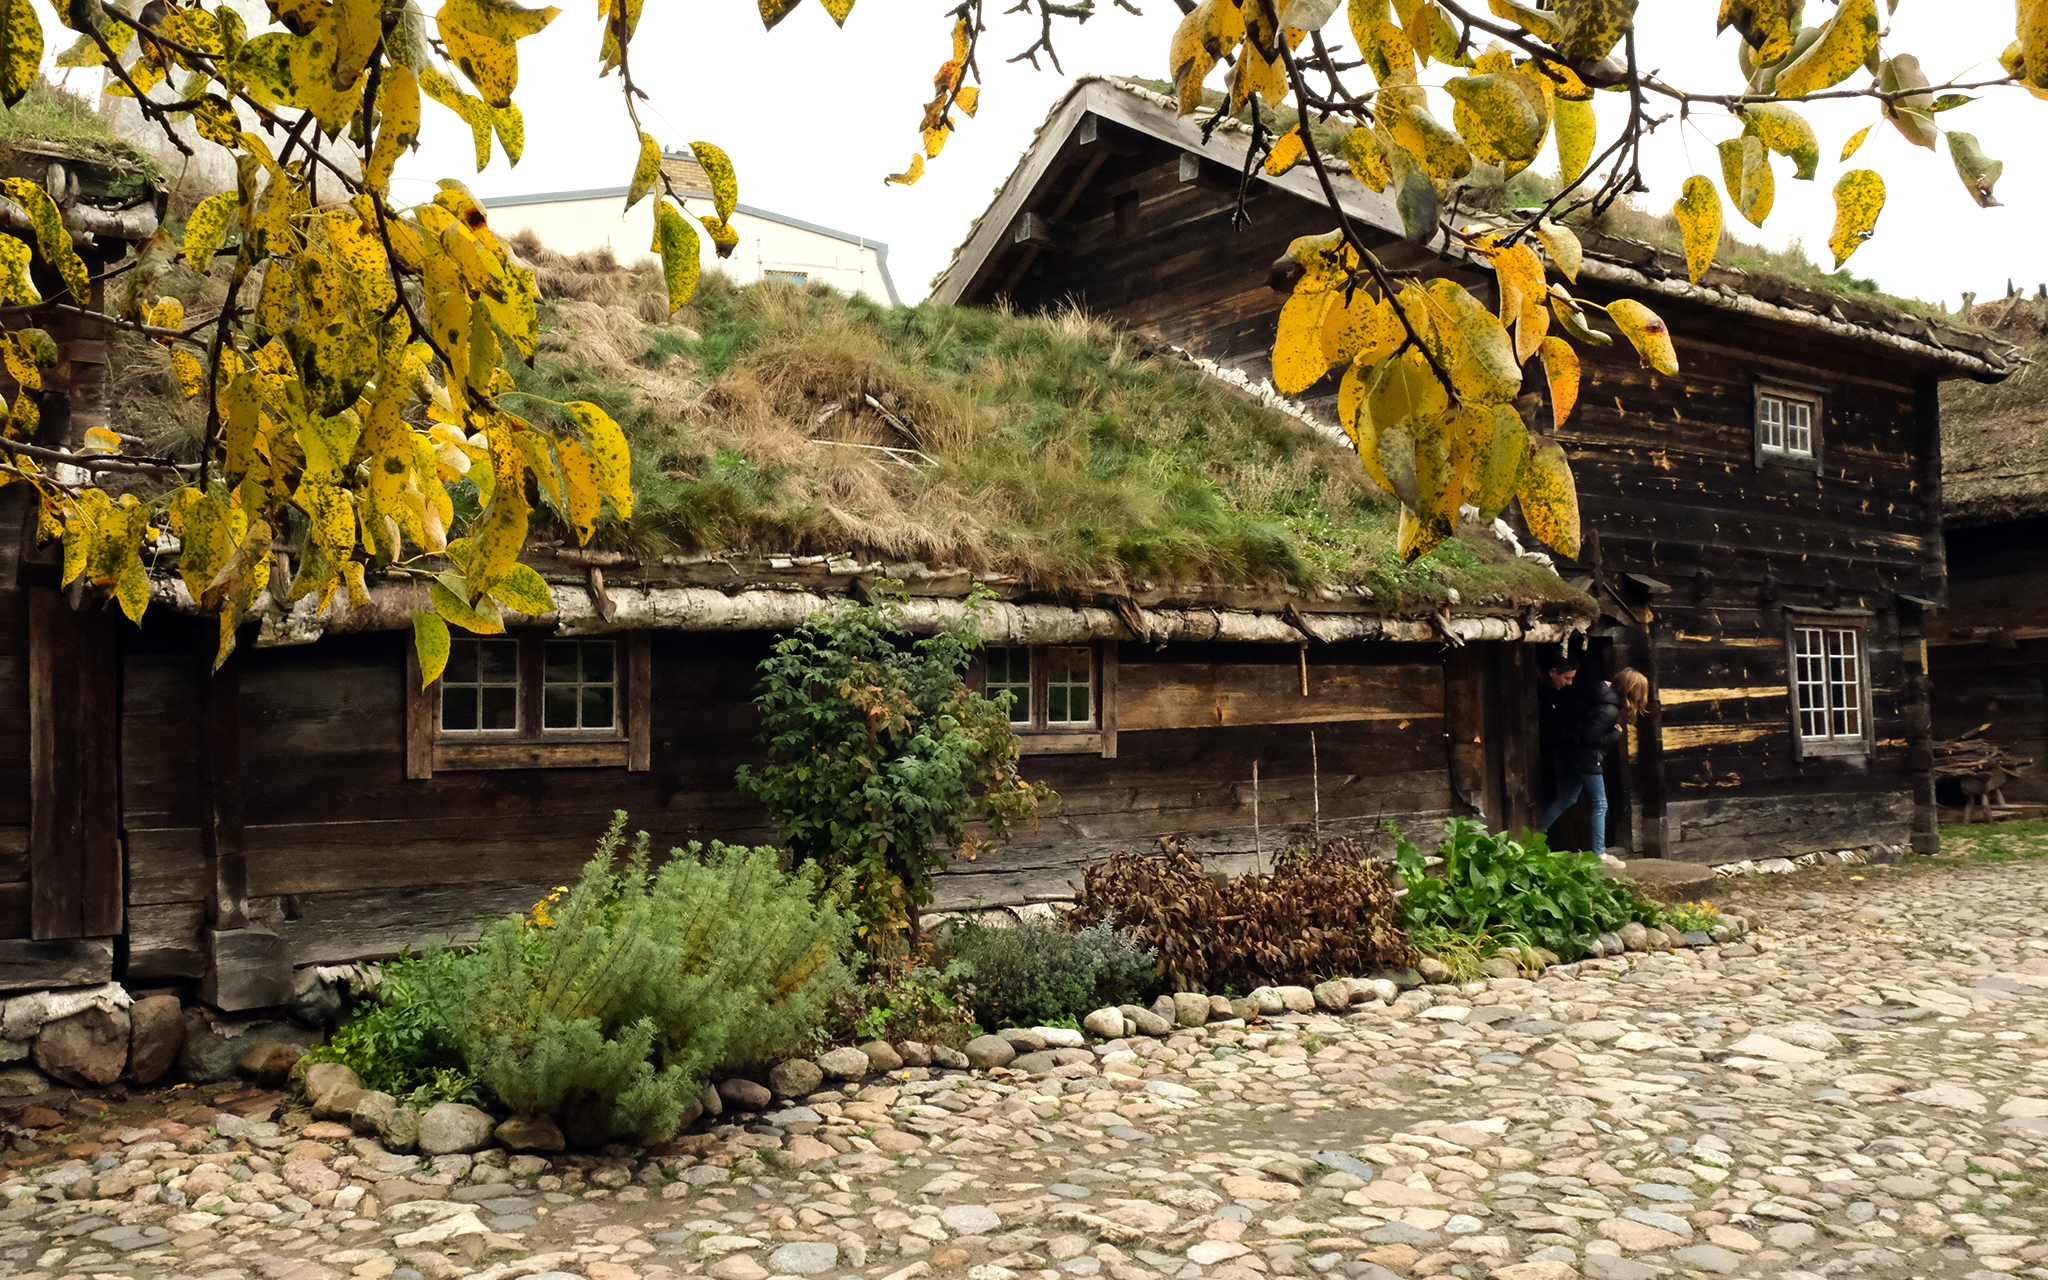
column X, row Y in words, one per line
column 1054, row 450
column 56, row 117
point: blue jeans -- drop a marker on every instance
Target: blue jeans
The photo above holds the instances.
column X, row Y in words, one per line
column 1594, row 784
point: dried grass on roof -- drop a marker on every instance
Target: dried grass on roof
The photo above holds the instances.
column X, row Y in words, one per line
column 1053, row 449
column 1994, row 438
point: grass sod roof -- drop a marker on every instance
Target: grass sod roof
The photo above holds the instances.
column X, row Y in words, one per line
column 1994, row 438
column 53, row 121
column 1051, row 455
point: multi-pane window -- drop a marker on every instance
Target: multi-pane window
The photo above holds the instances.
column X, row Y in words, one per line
column 1051, row 687
column 480, row 687
column 1009, row 671
column 520, row 688
column 1784, row 425
column 1828, row 678
column 579, row 685
column 1069, row 680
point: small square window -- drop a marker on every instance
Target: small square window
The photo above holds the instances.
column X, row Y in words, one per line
column 1009, row 671
column 577, row 685
column 1069, row 679
column 480, row 687
column 1786, row 424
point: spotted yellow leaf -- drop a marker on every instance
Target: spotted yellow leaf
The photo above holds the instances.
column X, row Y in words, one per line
column 1746, row 173
column 21, row 49
column 1532, row 20
column 189, row 372
column 584, row 498
column 1699, row 224
column 1845, row 42
column 1497, row 471
column 1588, row 30
column 1519, row 273
column 448, row 593
column 725, row 184
column 51, row 236
column 1786, row 132
column 608, row 449
column 1550, row 500
column 1561, row 369
column 1855, row 142
column 1859, row 198
column 724, row 236
column 1498, row 117
column 430, row 641
column 1577, row 132
column 1287, row 151
column 1299, row 360
column 681, row 258
column 523, row 591
column 1767, row 26
column 2032, row 29
column 1642, row 327
column 646, row 172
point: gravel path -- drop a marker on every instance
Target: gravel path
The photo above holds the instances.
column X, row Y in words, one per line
column 1854, row 1091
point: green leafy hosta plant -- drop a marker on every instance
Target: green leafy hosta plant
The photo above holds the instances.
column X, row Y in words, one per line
column 396, row 1041
column 879, row 754
column 1515, row 891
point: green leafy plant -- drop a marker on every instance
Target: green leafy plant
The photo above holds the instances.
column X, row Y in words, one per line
column 1042, row 973
column 1520, row 890
column 610, row 1006
column 1686, row 917
column 1321, row 911
column 1465, row 954
column 879, row 753
column 396, row 1041
column 923, row 1001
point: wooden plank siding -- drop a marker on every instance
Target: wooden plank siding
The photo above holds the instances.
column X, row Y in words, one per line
column 347, row 857
column 1669, row 487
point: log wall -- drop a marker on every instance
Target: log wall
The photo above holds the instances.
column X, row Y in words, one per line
column 1670, row 487
column 346, row 857
column 14, row 720
column 1988, row 649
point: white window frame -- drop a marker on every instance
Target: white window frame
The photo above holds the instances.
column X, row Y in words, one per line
column 625, row 743
column 1828, row 672
column 1037, row 732
column 1787, row 424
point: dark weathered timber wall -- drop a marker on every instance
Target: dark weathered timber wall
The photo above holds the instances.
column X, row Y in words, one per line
column 348, row 858
column 1988, row 650
column 1669, row 487
column 14, row 719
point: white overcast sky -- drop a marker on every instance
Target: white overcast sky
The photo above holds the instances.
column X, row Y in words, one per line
column 814, row 116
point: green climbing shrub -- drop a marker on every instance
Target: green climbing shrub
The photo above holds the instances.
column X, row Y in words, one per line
column 610, row 1006
column 1041, row 971
column 1515, row 893
column 879, row 754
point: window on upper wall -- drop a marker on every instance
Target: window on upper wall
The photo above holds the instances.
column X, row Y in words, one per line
column 1830, row 686
column 1060, row 695
column 533, row 701
column 1787, row 427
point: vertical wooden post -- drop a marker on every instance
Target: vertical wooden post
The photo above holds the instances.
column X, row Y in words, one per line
column 220, row 781
column 1315, row 784
column 74, row 771
column 1258, row 848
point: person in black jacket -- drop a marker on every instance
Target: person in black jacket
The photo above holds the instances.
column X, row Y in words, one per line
column 1591, row 730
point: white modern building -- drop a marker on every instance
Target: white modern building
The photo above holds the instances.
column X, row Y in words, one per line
column 772, row 246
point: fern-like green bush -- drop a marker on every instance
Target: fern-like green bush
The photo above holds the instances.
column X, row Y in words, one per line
column 396, row 1040
column 611, row 1006
column 1041, row 971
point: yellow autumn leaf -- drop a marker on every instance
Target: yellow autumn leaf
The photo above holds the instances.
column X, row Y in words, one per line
column 1372, row 331
column 51, row 236
column 1562, row 244
column 207, row 229
column 681, row 258
column 15, row 284
column 1441, row 152
column 523, row 591
column 1384, row 46
column 398, row 129
column 1519, row 273
column 724, row 236
column 584, row 498
column 1767, row 26
column 1497, row 118
column 1845, row 42
column 911, row 172
column 1568, row 318
column 725, row 185
column 430, row 641
column 1746, row 173
column 1859, row 198
column 21, row 49
column 446, row 594
column 1287, row 151
column 1855, row 142
column 2032, row 30
column 1497, row 472
column 1699, row 224
column 1298, row 356
column 1191, row 55
column 1561, row 370
column 1485, row 367
column 1642, row 327
column 646, row 172
column 1532, row 20
column 1550, row 500
column 608, row 449
column 1577, row 132
column 496, row 538
column 1418, row 537
column 1588, row 30
column 189, row 372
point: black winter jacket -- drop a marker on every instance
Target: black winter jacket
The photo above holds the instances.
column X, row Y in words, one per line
column 1599, row 730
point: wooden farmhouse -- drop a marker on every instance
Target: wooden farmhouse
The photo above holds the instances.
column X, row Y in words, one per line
column 1762, row 532
column 1198, row 613
column 1988, row 649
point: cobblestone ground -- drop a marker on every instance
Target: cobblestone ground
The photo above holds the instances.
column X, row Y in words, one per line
column 1856, row 1091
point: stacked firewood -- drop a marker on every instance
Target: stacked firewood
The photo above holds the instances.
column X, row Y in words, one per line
column 1971, row 756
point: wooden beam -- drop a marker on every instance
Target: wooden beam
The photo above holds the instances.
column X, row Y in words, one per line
column 1095, row 132
column 1041, row 231
column 27, row 964
column 222, row 839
